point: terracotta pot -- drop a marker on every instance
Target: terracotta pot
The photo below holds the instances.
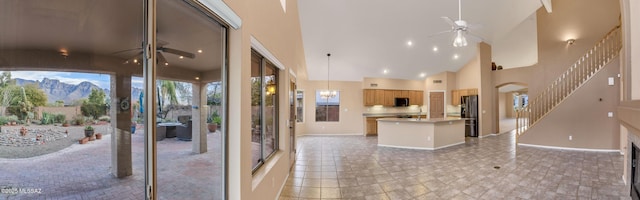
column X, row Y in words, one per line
column 212, row 127
column 98, row 136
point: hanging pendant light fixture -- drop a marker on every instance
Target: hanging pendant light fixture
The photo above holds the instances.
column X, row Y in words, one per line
column 328, row 94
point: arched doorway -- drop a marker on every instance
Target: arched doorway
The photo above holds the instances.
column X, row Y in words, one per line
column 510, row 97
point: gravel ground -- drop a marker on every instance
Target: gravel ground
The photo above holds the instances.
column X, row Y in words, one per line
column 75, row 133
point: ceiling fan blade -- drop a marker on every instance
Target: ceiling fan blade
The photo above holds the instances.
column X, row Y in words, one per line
column 177, row 52
column 450, row 22
column 117, row 52
column 162, row 60
column 474, row 26
column 439, row 33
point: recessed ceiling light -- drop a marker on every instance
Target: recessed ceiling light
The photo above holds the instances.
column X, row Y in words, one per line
column 455, row 56
column 435, row 49
column 410, row 43
column 423, row 75
column 135, row 60
column 199, row 50
column 197, row 78
column 385, row 71
column 166, row 64
column 181, row 57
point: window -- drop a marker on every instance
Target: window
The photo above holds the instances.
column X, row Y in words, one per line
column 520, row 101
column 264, row 109
column 299, row 106
column 327, row 109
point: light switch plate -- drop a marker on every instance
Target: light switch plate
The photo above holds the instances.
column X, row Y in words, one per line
column 611, row 81
column 610, row 114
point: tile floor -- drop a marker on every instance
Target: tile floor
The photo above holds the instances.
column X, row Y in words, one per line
column 353, row 167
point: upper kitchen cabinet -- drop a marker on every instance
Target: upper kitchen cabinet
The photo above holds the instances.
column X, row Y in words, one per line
column 373, row 97
column 389, row 99
column 416, row 97
column 456, row 94
column 368, row 95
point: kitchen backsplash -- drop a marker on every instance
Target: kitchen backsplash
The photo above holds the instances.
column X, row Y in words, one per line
column 380, row 109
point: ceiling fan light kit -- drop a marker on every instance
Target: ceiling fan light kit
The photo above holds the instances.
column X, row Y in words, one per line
column 460, row 29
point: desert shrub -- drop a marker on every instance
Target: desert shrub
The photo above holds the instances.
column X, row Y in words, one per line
column 12, row 118
column 92, row 110
column 78, row 120
column 60, row 118
column 3, row 120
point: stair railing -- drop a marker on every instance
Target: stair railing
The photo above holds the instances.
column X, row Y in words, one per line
column 568, row 82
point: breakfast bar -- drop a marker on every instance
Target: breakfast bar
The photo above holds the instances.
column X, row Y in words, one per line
column 426, row 134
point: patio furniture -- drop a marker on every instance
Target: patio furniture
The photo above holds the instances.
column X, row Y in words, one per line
column 161, row 132
column 184, row 131
column 170, row 128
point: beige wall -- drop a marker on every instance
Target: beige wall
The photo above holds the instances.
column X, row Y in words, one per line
column 351, row 108
column 392, row 84
column 279, row 32
column 448, row 83
column 585, row 20
column 583, row 115
column 502, row 98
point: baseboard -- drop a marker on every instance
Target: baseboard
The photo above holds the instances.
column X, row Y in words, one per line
column 419, row 148
column 568, row 148
column 283, row 184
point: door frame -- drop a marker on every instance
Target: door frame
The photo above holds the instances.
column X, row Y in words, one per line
column 444, row 102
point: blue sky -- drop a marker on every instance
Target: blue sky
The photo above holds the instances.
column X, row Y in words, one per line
column 101, row 80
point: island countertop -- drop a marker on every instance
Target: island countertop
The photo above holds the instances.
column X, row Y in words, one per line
column 422, row 120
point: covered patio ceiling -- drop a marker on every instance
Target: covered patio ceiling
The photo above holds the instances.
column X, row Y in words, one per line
column 110, row 29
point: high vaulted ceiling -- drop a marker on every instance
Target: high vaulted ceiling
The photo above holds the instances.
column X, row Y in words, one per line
column 367, row 37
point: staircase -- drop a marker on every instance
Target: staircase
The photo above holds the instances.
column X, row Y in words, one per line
column 568, row 82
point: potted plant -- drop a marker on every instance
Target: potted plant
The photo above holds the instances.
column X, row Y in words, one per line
column 218, row 121
column 88, row 131
column 211, row 124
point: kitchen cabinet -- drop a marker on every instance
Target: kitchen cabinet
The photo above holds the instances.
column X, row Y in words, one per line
column 416, row 97
column 379, row 97
column 455, row 97
column 456, row 94
column 371, row 97
column 389, row 99
column 368, row 96
column 372, row 126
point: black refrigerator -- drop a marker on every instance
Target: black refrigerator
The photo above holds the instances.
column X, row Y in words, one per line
column 469, row 110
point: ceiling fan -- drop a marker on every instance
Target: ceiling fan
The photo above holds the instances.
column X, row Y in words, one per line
column 460, row 28
column 159, row 50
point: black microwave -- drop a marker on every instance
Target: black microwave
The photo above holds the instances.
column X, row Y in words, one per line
column 402, row 102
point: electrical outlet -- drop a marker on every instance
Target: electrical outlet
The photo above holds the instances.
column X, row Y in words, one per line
column 428, row 138
column 570, row 137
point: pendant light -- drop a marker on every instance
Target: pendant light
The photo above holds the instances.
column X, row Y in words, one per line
column 328, row 94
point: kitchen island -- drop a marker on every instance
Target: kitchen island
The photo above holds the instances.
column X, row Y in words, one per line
column 427, row 134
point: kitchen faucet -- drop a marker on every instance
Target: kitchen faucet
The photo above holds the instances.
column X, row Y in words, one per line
column 420, row 113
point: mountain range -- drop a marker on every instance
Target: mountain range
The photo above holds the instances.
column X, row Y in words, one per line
column 69, row 93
